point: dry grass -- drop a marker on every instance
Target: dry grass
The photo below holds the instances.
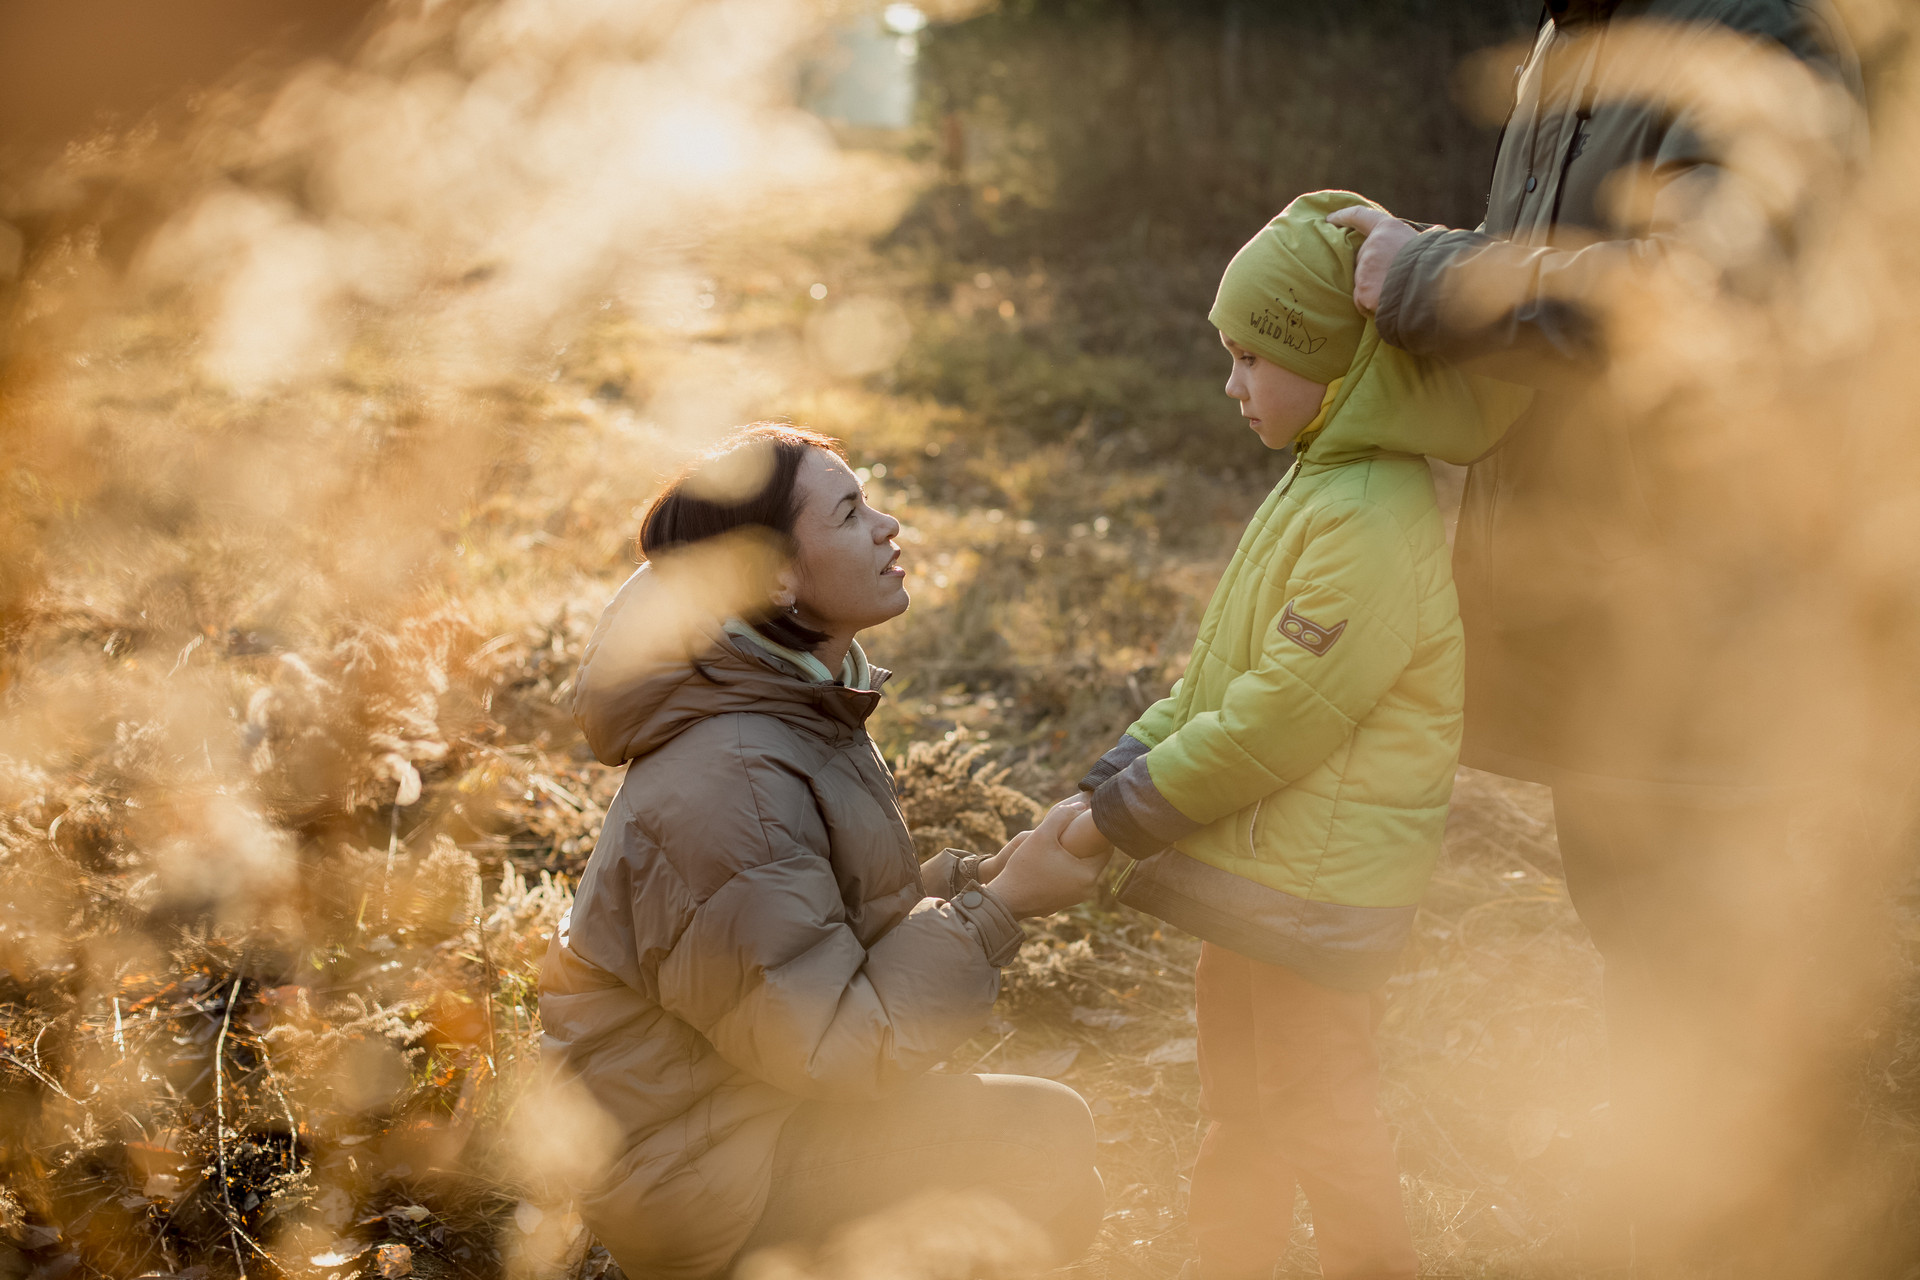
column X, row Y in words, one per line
column 290, row 801
column 191, row 1085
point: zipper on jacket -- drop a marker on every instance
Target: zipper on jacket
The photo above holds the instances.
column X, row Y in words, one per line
column 1293, row 472
column 1252, row 848
column 1575, row 145
column 1582, row 117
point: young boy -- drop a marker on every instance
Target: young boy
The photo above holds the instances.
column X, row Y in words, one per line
column 1286, row 800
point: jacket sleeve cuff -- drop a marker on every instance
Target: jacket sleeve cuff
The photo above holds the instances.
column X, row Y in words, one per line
column 1131, row 812
column 1399, row 315
column 1129, row 749
column 987, row 918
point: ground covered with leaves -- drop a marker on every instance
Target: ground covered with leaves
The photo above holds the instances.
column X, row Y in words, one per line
column 290, row 799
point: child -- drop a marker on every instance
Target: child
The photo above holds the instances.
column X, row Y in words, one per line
column 1286, row 800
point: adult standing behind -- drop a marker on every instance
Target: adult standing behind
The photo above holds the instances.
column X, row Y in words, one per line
column 1600, row 661
column 757, row 973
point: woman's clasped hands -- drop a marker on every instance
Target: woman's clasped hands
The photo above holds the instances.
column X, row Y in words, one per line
column 1053, row 866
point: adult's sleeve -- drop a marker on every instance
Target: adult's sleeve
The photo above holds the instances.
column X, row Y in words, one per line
column 770, row 971
column 1297, row 704
column 1467, row 295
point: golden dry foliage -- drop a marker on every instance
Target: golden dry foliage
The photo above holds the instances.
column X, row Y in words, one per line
column 951, row 800
column 275, row 391
column 319, row 466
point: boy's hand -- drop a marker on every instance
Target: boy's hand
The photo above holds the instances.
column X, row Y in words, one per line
column 1082, row 838
column 1039, row 876
column 1386, row 237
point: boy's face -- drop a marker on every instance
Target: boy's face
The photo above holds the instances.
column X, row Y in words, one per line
column 1275, row 401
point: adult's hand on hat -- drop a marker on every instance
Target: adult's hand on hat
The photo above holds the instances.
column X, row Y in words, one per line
column 1385, row 236
column 1041, row 875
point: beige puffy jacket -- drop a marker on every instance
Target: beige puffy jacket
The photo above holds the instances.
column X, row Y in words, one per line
column 753, row 929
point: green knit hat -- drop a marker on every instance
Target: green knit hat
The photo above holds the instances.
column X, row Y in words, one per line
column 1288, row 294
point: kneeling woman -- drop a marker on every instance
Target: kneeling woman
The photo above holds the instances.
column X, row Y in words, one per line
column 757, row 973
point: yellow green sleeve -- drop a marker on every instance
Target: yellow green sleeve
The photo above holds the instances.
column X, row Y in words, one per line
column 1355, row 583
column 1157, row 721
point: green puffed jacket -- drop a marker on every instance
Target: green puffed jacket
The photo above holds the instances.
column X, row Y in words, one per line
column 1287, row 798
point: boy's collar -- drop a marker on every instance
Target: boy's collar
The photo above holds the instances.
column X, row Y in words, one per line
column 1312, row 429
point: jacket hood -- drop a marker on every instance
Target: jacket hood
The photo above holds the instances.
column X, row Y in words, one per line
column 660, row 662
column 1288, row 297
column 1392, row 401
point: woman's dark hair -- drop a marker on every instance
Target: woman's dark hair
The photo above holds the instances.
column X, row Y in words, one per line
column 748, row 481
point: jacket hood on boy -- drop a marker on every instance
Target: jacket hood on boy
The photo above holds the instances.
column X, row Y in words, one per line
column 1287, row 296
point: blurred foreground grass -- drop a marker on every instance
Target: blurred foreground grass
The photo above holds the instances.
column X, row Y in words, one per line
column 341, row 1060
column 185, row 1091
column 290, row 803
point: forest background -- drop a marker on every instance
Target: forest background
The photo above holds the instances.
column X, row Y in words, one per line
column 333, row 396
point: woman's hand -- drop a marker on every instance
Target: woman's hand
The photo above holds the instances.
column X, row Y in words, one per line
column 990, row 867
column 1081, row 838
column 1038, row 875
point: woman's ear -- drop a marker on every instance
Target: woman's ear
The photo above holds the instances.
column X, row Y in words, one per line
column 786, row 589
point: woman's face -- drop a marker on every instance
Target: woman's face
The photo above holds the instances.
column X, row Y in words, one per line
column 845, row 575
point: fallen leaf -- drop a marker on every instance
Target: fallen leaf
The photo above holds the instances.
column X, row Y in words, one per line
column 342, row 1252
column 161, row 1186
column 411, row 1212
column 150, row 1158
column 528, row 1217
column 334, row 1207
column 393, row 1261
column 1185, row 1049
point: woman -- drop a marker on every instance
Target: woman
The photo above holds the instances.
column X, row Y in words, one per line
column 756, row 974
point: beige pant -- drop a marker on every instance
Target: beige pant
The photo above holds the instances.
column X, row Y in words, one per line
column 999, row 1165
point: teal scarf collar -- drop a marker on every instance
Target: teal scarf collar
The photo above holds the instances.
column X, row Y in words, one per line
column 855, row 672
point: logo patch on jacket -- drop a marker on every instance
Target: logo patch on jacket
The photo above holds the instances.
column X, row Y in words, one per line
column 1307, row 633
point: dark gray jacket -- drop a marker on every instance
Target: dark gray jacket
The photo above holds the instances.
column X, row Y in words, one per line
column 1566, row 524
